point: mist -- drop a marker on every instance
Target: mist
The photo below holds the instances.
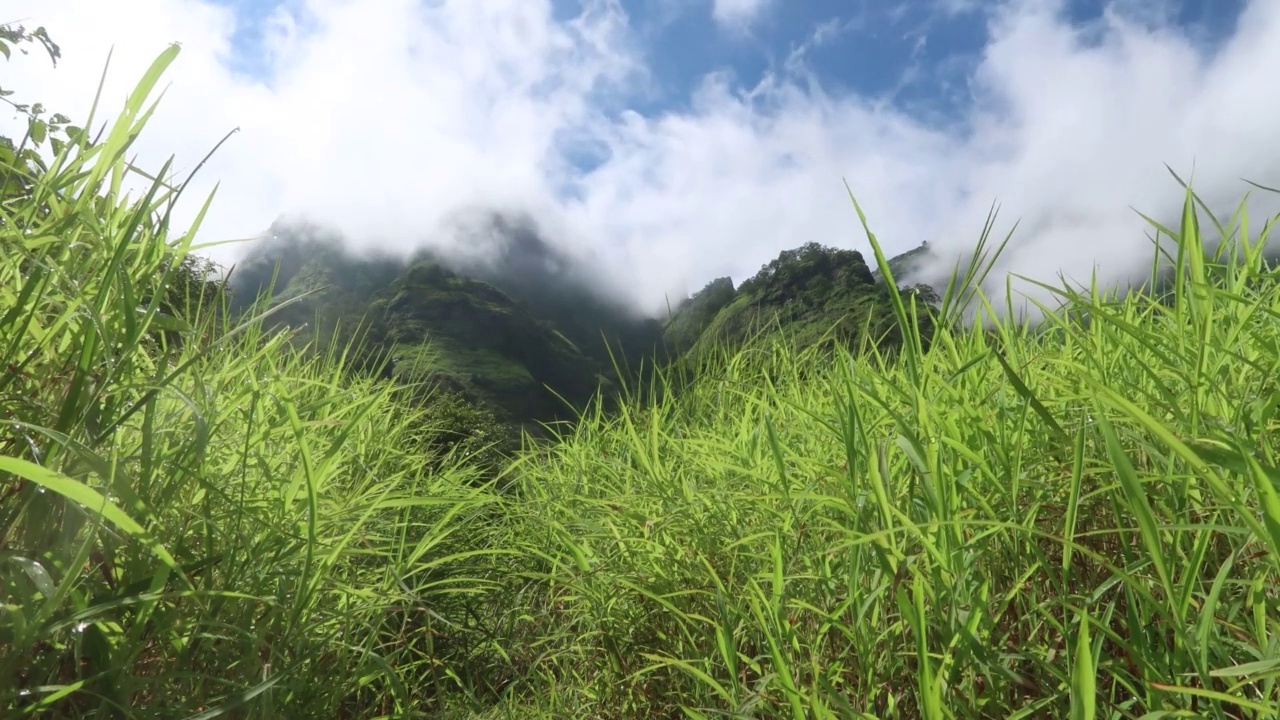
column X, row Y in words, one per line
column 404, row 127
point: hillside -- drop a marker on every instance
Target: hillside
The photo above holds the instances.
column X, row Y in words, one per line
column 906, row 266
column 436, row 325
column 511, row 254
column 812, row 295
column 468, row 335
column 690, row 318
column 523, row 332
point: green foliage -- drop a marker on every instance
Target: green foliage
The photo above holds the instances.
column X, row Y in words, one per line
column 17, row 36
column 813, row 295
column 693, row 316
column 810, row 268
column 1078, row 520
column 454, row 430
column 220, row 526
column 21, row 161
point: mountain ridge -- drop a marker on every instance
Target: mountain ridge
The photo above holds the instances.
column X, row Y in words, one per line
column 525, row 334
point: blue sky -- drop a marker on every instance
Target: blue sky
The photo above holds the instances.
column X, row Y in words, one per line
column 673, row 141
column 914, row 53
column 902, row 53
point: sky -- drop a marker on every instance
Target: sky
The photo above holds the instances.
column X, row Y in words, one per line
column 669, row 142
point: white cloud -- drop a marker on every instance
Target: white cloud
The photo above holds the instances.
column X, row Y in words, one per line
column 385, row 119
column 737, row 13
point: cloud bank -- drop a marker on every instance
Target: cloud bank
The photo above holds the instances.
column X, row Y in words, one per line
column 392, row 120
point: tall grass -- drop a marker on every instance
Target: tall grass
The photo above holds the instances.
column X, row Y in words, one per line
column 198, row 519
column 1081, row 521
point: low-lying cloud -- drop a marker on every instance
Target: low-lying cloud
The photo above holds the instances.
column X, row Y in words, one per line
column 386, row 119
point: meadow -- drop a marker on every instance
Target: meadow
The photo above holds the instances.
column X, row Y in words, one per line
column 1077, row 519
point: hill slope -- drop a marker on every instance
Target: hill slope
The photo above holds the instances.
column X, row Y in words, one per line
column 814, row 294
column 521, row 331
column 467, row 334
column 432, row 323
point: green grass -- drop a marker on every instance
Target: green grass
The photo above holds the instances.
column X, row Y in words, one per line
column 1077, row 521
column 189, row 527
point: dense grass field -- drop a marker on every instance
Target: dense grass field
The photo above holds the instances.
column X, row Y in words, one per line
column 1080, row 519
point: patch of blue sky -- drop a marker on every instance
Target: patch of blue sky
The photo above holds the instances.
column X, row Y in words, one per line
column 247, row 47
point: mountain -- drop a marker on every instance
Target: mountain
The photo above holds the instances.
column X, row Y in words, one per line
column 511, row 254
column 519, row 329
column 693, row 316
column 470, row 336
column 813, row 294
column 908, row 265
column 504, row 335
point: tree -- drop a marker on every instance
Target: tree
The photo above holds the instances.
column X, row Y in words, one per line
column 21, row 162
column 807, row 266
column 38, row 129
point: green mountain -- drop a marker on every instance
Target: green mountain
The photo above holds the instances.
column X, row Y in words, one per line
column 470, row 336
column 815, row 294
column 527, row 348
column 693, row 316
column 907, row 265
column 561, row 290
column 524, row 333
